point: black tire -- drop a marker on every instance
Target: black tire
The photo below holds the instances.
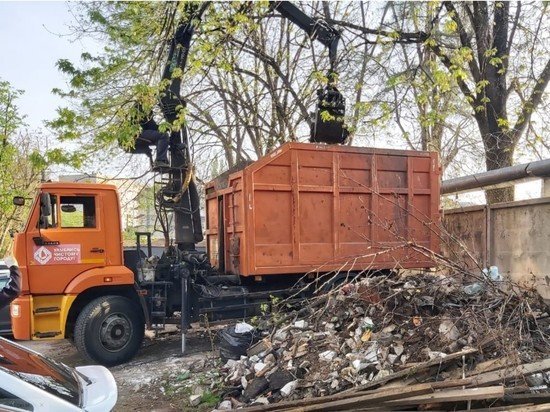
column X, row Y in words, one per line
column 109, row 330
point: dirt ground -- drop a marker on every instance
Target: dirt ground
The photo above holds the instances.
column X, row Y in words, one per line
column 149, row 382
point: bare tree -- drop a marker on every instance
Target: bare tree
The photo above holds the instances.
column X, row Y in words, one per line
column 480, row 44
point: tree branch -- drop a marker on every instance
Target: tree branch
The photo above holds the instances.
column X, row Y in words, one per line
column 533, row 102
column 404, row 37
column 480, row 22
column 461, row 83
column 514, row 27
column 465, row 39
column 269, row 60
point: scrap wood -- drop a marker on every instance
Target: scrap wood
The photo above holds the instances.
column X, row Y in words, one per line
column 451, row 383
column 450, row 395
column 516, row 389
column 377, row 395
column 385, row 409
column 425, row 378
column 487, row 366
column 310, row 404
column 526, row 407
column 501, row 375
column 350, row 404
column 529, row 397
column 412, row 370
column 536, row 408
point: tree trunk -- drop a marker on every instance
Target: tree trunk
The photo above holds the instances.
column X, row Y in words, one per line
column 499, row 153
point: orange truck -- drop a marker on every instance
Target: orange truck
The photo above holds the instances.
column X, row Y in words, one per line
column 302, row 216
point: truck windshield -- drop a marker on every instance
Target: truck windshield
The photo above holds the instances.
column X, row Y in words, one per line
column 46, row 374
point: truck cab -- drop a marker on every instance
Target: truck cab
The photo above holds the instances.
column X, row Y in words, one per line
column 70, row 254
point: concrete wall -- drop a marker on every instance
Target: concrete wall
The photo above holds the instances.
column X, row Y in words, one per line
column 514, row 236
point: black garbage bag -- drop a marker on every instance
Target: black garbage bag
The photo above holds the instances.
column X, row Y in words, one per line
column 234, row 344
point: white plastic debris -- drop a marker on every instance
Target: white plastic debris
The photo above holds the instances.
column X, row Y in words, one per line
column 493, row 274
column 225, row 406
column 358, row 365
column 367, row 323
column 262, row 401
column 289, row 388
column 473, row 289
column 195, row 400
column 243, row 327
column 300, row 324
column 259, row 366
column 327, row 356
column 436, row 355
column 392, row 358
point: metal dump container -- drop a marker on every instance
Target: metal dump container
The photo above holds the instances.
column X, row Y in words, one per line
column 317, row 208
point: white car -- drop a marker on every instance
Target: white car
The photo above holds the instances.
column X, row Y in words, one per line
column 30, row 381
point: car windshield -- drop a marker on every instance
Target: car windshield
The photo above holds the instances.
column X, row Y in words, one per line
column 47, row 374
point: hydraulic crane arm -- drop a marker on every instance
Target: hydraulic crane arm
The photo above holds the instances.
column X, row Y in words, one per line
column 317, row 29
column 328, row 123
column 177, row 58
column 179, row 192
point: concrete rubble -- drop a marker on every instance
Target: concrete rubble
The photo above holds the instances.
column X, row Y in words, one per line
column 394, row 343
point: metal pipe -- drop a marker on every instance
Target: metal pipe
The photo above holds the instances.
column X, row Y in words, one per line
column 496, row 178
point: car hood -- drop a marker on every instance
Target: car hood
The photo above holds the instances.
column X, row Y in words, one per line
column 99, row 390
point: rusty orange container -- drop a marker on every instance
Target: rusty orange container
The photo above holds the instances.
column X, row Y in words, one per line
column 317, row 208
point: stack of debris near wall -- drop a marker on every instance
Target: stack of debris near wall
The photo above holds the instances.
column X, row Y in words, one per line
column 400, row 343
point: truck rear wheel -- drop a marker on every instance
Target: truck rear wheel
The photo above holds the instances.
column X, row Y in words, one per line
column 109, row 330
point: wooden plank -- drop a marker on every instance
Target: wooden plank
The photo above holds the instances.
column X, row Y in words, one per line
column 451, row 383
column 447, row 383
column 374, row 398
column 502, row 375
column 535, row 408
column 527, row 407
column 421, row 377
column 381, row 392
column 528, row 397
column 398, row 408
column 453, row 395
column 512, row 408
column 487, row 366
column 412, row 370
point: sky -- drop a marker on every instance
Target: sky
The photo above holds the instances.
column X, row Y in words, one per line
column 34, row 37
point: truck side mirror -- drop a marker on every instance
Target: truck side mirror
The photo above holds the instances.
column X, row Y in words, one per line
column 45, row 204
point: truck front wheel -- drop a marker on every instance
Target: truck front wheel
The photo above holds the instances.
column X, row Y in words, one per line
column 109, row 330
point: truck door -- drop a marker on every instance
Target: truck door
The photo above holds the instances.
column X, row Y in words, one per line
column 65, row 243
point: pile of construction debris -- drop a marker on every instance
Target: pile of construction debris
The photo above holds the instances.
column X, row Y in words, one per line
column 394, row 343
